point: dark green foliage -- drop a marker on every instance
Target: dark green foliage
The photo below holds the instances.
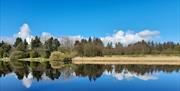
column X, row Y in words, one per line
column 4, row 49
column 21, row 46
column 35, row 43
column 18, row 41
column 52, row 44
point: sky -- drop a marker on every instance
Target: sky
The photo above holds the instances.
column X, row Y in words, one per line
column 126, row 21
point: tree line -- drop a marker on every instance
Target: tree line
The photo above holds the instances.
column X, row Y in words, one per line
column 95, row 47
column 85, row 47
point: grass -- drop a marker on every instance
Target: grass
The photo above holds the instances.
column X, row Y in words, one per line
column 35, row 59
column 116, row 59
column 146, row 59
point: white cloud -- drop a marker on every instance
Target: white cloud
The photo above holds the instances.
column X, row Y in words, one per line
column 125, row 74
column 24, row 33
column 129, row 37
column 120, row 36
column 27, row 81
column 7, row 39
column 148, row 33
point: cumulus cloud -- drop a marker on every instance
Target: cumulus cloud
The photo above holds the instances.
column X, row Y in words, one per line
column 24, row 33
column 129, row 37
column 120, row 36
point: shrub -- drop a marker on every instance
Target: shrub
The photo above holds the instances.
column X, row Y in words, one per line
column 17, row 55
column 57, row 56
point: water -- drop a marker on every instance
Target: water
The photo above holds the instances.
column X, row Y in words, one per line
column 54, row 76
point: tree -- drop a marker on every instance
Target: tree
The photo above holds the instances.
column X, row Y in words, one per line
column 33, row 54
column 78, row 46
column 16, row 55
column 25, row 44
column 89, row 40
column 21, row 47
column 55, row 44
column 6, row 49
column 67, row 43
column 1, row 52
column 44, row 53
column 98, row 47
column 1, row 43
column 108, row 50
column 36, row 43
column 89, row 48
column 140, row 47
column 18, row 41
column 48, row 44
column 119, row 49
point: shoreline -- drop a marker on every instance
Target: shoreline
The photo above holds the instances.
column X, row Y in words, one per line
column 116, row 59
column 148, row 60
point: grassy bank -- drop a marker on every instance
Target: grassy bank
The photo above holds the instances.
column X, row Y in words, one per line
column 35, row 59
column 27, row 59
column 148, row 59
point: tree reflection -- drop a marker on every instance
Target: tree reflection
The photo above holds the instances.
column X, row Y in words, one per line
column 54, row 70
column 92, row 71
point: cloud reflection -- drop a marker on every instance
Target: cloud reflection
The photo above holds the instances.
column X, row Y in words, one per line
column 125, row 74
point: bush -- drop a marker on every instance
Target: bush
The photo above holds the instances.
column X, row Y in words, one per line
column 17, row 55
column 57, row 56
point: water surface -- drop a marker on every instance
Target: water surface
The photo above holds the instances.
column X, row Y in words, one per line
column 54, row 76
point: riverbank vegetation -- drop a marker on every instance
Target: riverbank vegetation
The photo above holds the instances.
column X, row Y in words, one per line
column 92, row 47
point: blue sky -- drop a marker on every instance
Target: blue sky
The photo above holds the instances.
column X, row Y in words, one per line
column 91, row 17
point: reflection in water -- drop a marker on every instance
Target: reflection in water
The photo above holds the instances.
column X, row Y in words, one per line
column 125, row 74
column 27, row 81
column 29, row 71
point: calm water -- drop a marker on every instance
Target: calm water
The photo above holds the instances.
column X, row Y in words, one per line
column 35, row 76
